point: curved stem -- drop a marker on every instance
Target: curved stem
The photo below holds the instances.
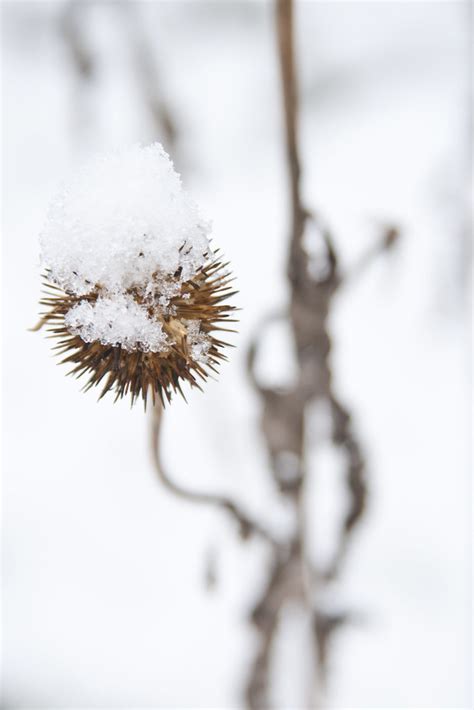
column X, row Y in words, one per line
column 247, row 525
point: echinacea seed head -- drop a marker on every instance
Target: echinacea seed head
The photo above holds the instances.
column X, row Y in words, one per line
column 134, row 293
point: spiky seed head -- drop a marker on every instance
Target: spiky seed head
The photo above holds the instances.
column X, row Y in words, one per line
column 141, row 312
column 191, row 324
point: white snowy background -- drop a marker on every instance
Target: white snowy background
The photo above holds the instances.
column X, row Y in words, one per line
column 104, row 601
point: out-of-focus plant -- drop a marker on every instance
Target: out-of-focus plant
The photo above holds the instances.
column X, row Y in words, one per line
column 314, row 278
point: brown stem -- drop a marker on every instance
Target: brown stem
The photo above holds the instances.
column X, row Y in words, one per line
column 387, row 241
column 149, row 78
column 247, row 525
column 284, row 23
column 343, row 437
column 71, row 25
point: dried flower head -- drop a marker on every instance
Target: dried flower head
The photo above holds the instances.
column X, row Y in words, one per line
column 134, row 292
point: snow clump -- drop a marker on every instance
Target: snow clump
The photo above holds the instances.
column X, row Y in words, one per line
column 124, row 225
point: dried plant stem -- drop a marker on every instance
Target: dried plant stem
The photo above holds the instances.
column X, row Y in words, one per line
column 247, row 526
column 295, row 577
column 286, row 55
column 149, row 77
column 84, row 62
column 71, row 27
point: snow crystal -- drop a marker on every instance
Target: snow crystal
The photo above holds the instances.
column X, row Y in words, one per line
column 199, row 343
column 121, row 219
column 117, row 321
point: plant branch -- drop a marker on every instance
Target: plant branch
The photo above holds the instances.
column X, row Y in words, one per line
column 386, row 242
column 149, row 78
column 286, row 55
column 247, row 526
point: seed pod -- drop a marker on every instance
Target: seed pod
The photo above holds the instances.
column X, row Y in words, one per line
column 134, row 295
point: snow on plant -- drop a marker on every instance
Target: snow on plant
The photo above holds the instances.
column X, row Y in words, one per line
column 135, row 292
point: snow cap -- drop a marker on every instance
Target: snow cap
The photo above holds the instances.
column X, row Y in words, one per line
column 122, row 218
column 124, row 227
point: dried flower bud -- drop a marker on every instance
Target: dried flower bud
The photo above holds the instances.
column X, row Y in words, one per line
column 135, row 293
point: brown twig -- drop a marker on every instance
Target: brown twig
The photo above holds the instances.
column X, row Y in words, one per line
column 286, row 55
column 356, row 485
column 283, row 418
column 282, row 584
column 84, row 62
column 387, row 241
column 73, row 34
column 149, row 79
column 248, row 526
